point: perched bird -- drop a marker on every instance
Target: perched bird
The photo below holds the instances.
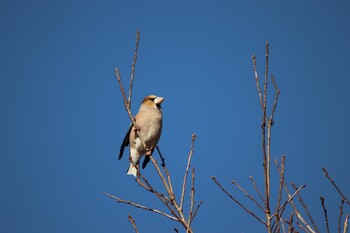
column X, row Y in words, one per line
column 149, row 121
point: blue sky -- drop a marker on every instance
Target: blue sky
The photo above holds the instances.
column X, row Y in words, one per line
column 62, row 116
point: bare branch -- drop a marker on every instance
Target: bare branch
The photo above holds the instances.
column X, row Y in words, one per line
column 133, row 223
column 161, row 175
column 167, row 199
column 126, row 105
column 147, row 185
column 140, row 206
column 282, row 223
column 290, row 223
column 325, row 172
column 325, row 213
column 346, row 223
column 168, row 202
column 305, row 208
column 167, row 174
column 235, row 200
column 128, row 108
column 266, row 147
column 257, row 80
column 256, row 188
column 296, row 212
column 190, row 215
column 303, row 228
column 186, row 171
column 165, row 169
column 281, row 171
column 127, row 102
column 133, row 66
column 266, row 71
column 196, row 210
column 276, row 98
column 266, row 79
column 172, row 202
column 340, row 214
column 289, row 199
column 248, row 195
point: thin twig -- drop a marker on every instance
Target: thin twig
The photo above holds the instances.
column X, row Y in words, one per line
column 248, row 195
column 266, row 81
column 235, row 200
column 263, row 144
column 340, row 214
column 281, row 171
column 133, row 223
column 276, row 98
column 117, row 74
column 190, row 215
column 325, row 172
column 147, row 185
column 301, row 227
column 128, row 108
column 282, row 224
column 160, row 174
column 305, row 208
column 256, row 188
column 133, row 66
column 186, row 171
column 290, row 223
column 289, row 200
column 196, row 210
column 179, row 215
column 277, row 229
column 325, row 213
column 266, row 71
column 296, row 212
column 168, row 202
column 167, row 174
column 346, row 223
column 257, row 80
column 140, row 206
column 267, row 148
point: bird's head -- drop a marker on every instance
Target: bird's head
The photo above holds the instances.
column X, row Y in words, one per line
column 152, row 101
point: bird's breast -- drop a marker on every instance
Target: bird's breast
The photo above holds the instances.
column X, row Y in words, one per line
column 150, row 122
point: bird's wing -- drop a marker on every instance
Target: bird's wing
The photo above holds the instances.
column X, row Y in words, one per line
column 145, row 161
column 125, row 142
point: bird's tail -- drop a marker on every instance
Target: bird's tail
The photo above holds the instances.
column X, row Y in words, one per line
column 132, row 170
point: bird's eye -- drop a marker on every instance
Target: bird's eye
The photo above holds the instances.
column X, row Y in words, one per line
column 151, row 98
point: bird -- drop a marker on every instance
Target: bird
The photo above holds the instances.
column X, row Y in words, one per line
column 149, row 121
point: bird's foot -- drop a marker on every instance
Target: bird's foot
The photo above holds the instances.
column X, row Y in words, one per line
column 137, row 128
column 148, row 152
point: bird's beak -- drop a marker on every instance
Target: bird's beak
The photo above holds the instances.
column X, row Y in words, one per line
column 158, row 100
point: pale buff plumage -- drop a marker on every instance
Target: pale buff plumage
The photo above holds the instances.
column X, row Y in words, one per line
column 149, row 120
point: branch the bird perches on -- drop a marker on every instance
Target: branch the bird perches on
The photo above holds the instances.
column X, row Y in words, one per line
column 168, row 199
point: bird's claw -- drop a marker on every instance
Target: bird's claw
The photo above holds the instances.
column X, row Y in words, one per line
column 148, row 152
column 137, row 128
